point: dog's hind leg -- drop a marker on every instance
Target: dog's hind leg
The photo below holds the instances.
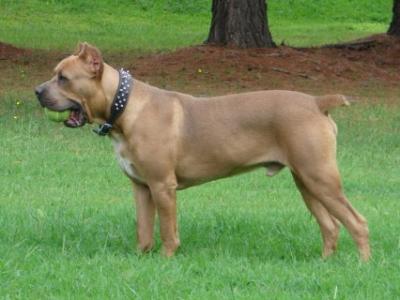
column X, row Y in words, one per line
column 328, row 224
column 312, row 158
column 324, row 184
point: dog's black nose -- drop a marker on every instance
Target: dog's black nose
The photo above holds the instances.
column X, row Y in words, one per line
column 38, row 91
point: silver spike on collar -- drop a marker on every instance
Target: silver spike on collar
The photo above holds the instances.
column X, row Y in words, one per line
column 123, row 90
column 119, row 103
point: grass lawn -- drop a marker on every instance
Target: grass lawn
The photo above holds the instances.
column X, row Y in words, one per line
column 67, row 222
column 145, row 26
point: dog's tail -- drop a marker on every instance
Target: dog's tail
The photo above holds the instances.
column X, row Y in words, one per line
column 328, row 102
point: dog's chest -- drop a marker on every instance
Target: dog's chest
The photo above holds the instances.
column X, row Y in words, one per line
column 125, row 164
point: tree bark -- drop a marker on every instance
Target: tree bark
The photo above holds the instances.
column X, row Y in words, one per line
column 394, row 28
column 240, row 23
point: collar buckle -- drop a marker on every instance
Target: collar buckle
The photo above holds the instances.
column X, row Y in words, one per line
column 103, row 129
column 119, row 103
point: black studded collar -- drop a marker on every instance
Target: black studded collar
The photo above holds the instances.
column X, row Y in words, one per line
column 119, row 103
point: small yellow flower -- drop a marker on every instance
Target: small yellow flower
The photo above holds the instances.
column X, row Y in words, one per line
column 15, row 117
column 18, row 102
column 199, row 70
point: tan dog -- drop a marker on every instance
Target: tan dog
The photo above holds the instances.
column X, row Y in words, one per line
column 166, row 141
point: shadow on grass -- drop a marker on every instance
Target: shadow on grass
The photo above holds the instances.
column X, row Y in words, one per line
column 262, row 237
column 97, row 231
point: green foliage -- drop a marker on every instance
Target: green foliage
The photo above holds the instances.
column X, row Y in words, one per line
column 67, row 221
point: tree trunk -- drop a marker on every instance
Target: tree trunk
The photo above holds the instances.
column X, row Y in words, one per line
column 394, row 28
column 240, row 23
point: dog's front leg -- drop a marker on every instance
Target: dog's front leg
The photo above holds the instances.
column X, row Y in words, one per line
column 164, row 196
column 145, row 213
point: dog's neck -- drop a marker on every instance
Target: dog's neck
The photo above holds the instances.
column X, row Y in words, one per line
column 108, row 87
column 109, row 83
column 114, row 90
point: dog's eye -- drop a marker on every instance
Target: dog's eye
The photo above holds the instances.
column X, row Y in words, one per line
column 61, row 78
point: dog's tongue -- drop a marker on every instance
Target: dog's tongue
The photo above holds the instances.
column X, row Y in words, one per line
column 74, row 119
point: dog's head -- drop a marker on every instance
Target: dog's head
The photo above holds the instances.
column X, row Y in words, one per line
column 75, row 84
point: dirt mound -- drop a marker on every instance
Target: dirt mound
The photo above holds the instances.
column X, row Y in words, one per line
column 354, row 68
column 376, row 58
column 8, row 51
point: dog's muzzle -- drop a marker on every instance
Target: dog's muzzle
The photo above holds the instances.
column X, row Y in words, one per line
column 77, row 116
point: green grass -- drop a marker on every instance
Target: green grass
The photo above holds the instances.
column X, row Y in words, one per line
column 145, row 25
column 49, row 26
column 67, row 225
column 314, row 33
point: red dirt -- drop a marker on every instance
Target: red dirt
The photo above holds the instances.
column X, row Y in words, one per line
column 282, row 67
column 8, row 51
column 207, row 70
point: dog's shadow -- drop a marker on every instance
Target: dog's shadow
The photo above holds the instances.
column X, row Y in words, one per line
column 254, row 237
column 257, row 236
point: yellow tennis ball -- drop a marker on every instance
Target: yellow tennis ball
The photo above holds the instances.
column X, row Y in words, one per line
column 56, row 116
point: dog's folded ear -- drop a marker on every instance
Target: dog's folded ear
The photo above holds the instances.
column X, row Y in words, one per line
column 92, row 56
